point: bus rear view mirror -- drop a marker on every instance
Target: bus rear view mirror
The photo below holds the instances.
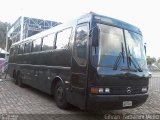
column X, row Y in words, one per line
column 95, row 36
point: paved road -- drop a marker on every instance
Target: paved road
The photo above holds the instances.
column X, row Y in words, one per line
column 28, row 103
column 155, row 74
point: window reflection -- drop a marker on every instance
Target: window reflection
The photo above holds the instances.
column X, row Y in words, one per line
column 48, row 42
column 36, row 46
column 135, row 47
column 27, row 48
column 63, row 39
column 135, row 44
column 80, row 45
column 111, row 40
column 21, row 48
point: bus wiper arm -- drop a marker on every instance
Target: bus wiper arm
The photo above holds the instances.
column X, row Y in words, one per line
column 122, row 47
column 117, row 62
column 119, row 58
column 133, row 61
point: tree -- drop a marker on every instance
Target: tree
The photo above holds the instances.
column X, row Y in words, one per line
column 3, row 30
column 150, row 60
column 158, row 63
column 158, row 60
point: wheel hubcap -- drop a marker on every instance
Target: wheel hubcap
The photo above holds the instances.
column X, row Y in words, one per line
column 60, row 94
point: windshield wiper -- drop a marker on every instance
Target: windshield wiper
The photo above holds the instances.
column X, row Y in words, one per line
column 119, row 58
column 132, row 60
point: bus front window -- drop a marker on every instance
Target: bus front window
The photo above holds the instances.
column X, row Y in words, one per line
column 111, row 40
column 136, row 49
column 112, row 47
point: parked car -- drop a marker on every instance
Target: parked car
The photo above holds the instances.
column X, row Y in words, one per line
column 3, row 64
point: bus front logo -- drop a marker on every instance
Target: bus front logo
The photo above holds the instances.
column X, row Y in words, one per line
column 129, row 90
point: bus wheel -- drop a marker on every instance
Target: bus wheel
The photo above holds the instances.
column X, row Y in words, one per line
column 19, row 80
column 15, row 81
column 60, row 96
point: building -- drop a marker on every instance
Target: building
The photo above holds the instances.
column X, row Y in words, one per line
column 25, row 27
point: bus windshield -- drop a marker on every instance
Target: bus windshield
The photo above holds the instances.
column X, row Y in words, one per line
column 112, row 44
column 135, row 48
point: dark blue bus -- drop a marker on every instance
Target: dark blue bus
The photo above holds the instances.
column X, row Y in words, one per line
column 91, row 62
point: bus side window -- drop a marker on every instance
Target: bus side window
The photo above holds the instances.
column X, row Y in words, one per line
column 11, row 51
column 16, row 50
column 48, row 42
column 27, row 48
column 21, row 49
column 37, row 45
column 63, row 38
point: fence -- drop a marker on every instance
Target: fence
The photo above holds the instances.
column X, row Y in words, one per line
column 154, row 84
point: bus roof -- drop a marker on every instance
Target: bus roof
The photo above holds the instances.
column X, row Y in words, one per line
column 87, row 18
column 112, row 21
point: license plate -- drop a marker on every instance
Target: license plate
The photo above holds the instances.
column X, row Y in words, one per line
column 127, row 103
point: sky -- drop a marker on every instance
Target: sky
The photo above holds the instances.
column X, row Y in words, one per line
column 141, row 13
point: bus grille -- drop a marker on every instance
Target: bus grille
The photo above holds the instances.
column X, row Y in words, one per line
column 125, row 90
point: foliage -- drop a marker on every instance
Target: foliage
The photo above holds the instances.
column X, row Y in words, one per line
column 151, row 60
column 158, row 63
column 3, row 30
column 158, row 60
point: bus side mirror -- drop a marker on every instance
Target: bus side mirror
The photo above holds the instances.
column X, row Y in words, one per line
column 95, row 36
column 145, row 49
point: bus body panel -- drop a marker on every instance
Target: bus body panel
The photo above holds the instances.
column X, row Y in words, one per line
column 78, row 81
column 114, row 102
column 40, row 73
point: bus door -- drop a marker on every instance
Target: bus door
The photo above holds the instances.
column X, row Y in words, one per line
column 79, row 66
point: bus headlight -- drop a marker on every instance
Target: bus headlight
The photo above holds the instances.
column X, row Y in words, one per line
column 144, row 89
column 101, row 90
column 96, row 90
column 107, row 90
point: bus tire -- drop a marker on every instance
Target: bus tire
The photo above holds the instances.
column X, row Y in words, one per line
column 60, row 96
column 16, row 81
column 19, row 80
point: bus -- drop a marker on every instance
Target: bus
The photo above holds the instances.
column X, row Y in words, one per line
column 92, row 62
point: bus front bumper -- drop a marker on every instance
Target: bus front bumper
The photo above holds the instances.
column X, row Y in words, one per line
column 112, row 102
